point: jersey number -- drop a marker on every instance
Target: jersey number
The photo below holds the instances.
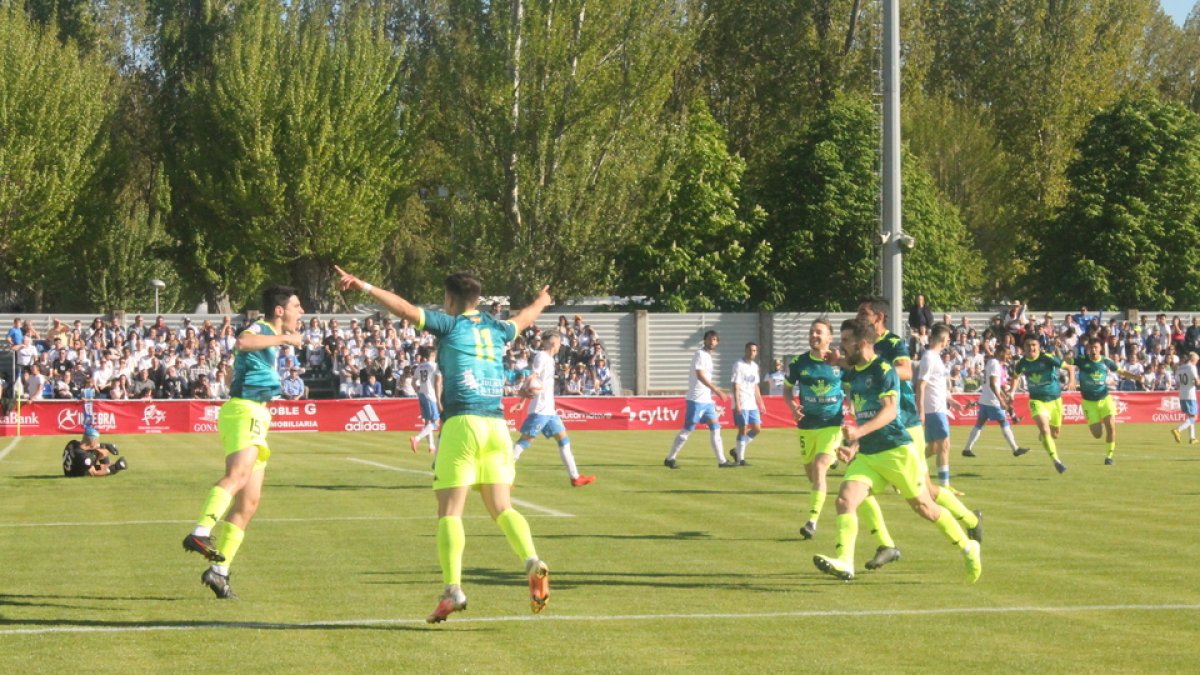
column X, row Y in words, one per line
column 484, row 348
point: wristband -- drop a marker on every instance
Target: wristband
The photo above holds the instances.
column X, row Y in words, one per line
column 367, row 287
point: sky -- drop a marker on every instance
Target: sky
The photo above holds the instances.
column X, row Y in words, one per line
column 1177, row 9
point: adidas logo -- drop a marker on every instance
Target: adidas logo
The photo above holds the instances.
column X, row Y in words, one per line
column 366, row 420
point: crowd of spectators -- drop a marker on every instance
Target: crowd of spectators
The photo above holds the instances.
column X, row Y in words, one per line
column 1150, row 348
column 368, row 358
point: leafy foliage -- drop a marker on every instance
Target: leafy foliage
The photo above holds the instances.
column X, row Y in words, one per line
column 1125, row 234
column 53, row 103
column 699, row 254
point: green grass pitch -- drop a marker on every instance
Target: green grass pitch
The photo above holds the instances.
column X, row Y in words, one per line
column 697, row 569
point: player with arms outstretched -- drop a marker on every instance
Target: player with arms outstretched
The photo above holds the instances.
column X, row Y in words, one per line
column 475, row 450
column 242, row 425
column 543, row 416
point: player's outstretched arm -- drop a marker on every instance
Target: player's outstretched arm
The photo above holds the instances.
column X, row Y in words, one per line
column 394, row 303
column 525, row 318
column 249, row 341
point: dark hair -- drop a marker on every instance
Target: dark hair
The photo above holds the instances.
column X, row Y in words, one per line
column 1030, row 338
column 464, row 287
column 939, row 330
column 424, row 351
column 275, row 296
column 1095, row 341
column 710, row 333
column 751, row 344
column 877, row 305
column 860, row 330
column 824, row 321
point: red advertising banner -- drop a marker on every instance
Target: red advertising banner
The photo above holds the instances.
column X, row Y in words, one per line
column 605, row 413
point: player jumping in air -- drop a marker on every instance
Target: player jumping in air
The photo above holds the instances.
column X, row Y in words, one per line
column 475, row 450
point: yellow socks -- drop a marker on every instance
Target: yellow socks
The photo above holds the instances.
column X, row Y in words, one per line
column 451, row 540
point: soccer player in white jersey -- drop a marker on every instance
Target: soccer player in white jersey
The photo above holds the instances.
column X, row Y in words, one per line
column 993, row 403
column 933, row 405
column 1187, row 398
column 747, row 402
column 699, row 406
column 429, row 394
column 543, row 416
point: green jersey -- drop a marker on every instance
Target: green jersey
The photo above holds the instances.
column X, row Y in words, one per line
column 1041, row 376
column 1093, row 377
column 869, row 385
column 821, row 394
column 254, row 375
column 470, row 354
column 892, row 349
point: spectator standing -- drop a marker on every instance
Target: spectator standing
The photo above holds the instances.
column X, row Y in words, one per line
column 920, row 316
column 16, row 336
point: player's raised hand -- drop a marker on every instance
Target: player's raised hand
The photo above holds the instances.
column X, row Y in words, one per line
column 347, row 280
column 543, row 297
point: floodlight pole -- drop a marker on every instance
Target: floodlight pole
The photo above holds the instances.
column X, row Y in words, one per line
column 892, row 278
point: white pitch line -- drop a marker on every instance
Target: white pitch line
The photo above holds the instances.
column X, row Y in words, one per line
column 518, row 502
column 816, row 613
column 9, row 448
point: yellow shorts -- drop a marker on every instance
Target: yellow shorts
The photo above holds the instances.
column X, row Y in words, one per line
column 474, row 450
column 1096, row 411
column 242, row 424
column 899, row 466
column 1052, row 410
column 918, row 442
column 823, row 441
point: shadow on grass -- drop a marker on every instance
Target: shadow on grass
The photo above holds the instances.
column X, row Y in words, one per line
column 340, row 488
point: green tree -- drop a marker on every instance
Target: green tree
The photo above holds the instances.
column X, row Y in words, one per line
column 1040, row 68
column 303, row 160
column 550, row 119
column 55, row 102
column 1125, row 238
column 698, row 253
column 823, row 211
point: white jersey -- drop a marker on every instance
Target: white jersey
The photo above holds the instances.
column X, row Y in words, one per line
column 698, row 392
column 777, row 379
column 543, row 367
column 932, row 372
column 993, row 369
column 425, row 376
column 1186, row 375
column 745, row 376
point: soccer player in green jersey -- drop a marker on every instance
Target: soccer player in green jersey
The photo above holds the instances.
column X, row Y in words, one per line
column 242, row 425
column 1098, row 406
column 1045, row 394
column 819, row 419
column 475, row 449
column 879, row 454
column 892, row 349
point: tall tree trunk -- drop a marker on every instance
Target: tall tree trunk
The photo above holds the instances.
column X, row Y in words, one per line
column 312, row 278
column 512, row 197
